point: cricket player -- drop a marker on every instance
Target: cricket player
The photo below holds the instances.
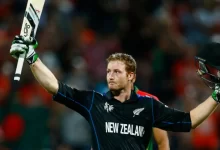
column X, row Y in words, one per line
column 120, row 118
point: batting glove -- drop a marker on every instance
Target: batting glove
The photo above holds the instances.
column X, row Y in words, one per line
column 216, row 93
column 27, row 45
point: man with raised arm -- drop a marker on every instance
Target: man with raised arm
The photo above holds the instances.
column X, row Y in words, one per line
column 120, row 118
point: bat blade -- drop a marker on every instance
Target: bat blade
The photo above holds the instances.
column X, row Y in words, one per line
column 29, row 27
column 32, row 17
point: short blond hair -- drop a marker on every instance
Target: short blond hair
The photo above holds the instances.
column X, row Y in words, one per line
column 128, row 60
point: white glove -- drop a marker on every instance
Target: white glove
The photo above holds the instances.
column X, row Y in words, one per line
column 27, row 45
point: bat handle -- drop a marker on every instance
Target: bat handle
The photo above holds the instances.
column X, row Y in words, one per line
column 19, row 67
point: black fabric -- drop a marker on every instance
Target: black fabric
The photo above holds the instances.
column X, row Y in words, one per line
column 211, row 54
column 122, row 126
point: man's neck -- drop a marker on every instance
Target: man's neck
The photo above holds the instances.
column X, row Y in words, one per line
column 122, row 96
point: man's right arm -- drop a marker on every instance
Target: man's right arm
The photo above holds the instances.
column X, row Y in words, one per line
column 44, row 76
column 79, row 100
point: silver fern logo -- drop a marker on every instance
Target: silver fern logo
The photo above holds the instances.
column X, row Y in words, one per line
column 108, row 107
column 137, row 111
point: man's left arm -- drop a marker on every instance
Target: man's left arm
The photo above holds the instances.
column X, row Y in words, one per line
column 203, row 111
column 178, row 121
column 161, row 139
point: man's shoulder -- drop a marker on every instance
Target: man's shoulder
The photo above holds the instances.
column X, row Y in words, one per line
column 142, row 93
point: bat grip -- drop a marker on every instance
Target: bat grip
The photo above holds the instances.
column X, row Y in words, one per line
column 19, row 67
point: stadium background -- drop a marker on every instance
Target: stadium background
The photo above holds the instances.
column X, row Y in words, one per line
column 75, row 37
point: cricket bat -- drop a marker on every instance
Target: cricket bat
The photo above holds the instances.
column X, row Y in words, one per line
column 29, row 27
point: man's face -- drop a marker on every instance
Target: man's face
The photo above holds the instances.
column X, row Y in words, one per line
column 117, row 76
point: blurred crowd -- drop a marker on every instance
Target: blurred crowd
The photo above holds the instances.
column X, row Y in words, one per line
column 76, row 36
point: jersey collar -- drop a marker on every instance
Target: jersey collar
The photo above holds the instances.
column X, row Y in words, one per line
column 136, row 89
column 133, row 98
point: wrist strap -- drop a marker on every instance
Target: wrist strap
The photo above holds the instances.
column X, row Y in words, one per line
column 215, row 97
column 32, row 58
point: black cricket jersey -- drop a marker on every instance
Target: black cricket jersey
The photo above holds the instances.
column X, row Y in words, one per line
column 122, row 126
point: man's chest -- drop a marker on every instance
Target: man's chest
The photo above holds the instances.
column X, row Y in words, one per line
column 125, row 119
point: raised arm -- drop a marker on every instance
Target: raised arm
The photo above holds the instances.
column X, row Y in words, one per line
column 79, row 100
column 43, row 75
column 203, row 111
column 175, row 120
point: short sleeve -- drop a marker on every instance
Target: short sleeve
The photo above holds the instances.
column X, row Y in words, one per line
column 170, row 119
column 79, row 100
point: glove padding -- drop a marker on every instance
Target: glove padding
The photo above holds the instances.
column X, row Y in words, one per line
column 24, row 45
column 216, row 93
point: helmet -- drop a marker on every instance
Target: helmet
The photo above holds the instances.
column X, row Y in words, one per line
column 207, row 62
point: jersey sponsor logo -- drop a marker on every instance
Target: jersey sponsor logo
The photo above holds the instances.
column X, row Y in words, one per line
column 121, row 128
column 137, row 111
column 108, row 107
